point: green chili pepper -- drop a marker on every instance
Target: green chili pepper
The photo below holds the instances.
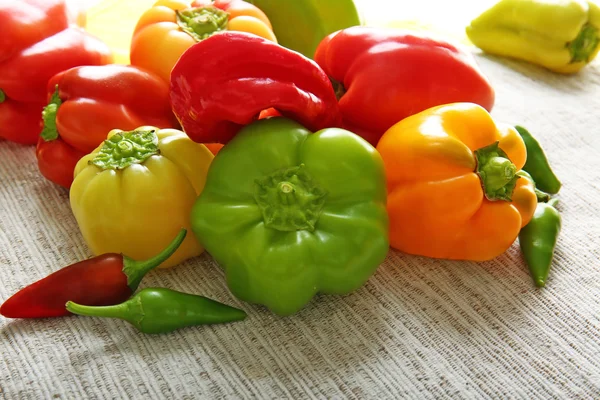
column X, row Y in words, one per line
column 542, row 197
column 538, row 239
column 161, row 310
column 537, row 164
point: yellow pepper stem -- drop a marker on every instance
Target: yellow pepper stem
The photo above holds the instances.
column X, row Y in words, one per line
column 584, row 44
column 126, row 148
column 497, row 173
column 202, row 22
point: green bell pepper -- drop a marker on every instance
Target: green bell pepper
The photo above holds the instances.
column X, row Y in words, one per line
column 288, row 213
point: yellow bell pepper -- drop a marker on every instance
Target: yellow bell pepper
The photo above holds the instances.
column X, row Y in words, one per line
column 562, row 36
column 134, row 192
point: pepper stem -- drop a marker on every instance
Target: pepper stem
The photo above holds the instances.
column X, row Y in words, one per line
column 50, row 130
column 497, row 173
column 584, row 45
column 125, row 148
column 136, row 270
column 2, row 96
column 202, row 22
column 115, row 311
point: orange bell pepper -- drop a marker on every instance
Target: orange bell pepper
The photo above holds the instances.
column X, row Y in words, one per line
column 170, row 27
column 454, row 187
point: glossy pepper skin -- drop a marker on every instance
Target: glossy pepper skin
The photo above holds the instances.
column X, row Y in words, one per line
column 102, row 280
column 214, row 94
column 88, row 102
column 538, row 240
column 300, row 25
column 288, row 213
column 537, row 164
column 38, row 40
column 385, row 75
column 161, row 310
column 453, row 188
column 562, row 36
column 135, row 191
column 165, row 31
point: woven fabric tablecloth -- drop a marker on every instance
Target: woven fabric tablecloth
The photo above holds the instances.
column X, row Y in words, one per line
column 419, row 328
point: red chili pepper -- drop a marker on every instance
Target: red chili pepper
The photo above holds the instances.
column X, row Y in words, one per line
column 385, row 75
column 38, row 40
column 88, row 102
column 224, row 82
column 103, row 280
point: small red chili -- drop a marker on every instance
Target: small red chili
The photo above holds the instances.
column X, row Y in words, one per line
column 103, row 280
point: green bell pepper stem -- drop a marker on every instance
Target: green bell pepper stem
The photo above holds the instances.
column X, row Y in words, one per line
column 537, row 164
column 538, row 240
column 161, row 310
column 136, row 270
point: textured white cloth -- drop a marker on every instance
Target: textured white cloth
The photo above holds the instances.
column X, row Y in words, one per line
column 420, row 328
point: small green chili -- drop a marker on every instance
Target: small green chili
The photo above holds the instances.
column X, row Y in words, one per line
column 161, row 310
column 538, row 240
column 537, row 164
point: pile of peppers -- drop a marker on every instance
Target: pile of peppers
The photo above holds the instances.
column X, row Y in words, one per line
column 296, row 163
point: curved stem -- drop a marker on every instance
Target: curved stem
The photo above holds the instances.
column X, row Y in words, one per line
column 497, row 173
column 584, row 44
column 136, row 270
column 117, row 311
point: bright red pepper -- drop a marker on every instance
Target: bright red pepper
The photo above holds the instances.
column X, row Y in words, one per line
column 223, row 83
column 384, row 75
column 88, row 102
column 103, row 280
column 39, row 39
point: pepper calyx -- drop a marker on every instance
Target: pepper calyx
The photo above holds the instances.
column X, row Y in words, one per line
column 497, row 173
column 135, row 270
column 202, row 22
column 338, row 88
column 289, row 199
column 50, row 130
column 2, row 96
column 126, row 148
column 585, row 44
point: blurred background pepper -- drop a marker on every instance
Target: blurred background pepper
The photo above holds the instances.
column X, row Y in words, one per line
column 39, row 39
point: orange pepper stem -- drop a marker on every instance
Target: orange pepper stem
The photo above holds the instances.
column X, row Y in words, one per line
column 202, row 22
column 497, row 173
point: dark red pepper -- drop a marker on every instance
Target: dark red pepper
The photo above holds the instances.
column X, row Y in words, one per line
column 107, row 279
column 223, row 83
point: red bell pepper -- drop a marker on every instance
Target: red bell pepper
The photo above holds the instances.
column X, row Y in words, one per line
column 86, row 103
column 39, row 39
column 224, row 82
column 384, row 75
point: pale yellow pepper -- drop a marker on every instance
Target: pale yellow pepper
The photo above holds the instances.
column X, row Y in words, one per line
column 134, row 192
column 563, row 36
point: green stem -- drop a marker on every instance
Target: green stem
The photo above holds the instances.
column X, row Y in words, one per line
column 136, row 270
column 497, row 173
column 120, row 311
column 50, row 130
column 338, row 88
column 126, row 148
column 584, row 44
column 202, row 22
column 2, row 96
